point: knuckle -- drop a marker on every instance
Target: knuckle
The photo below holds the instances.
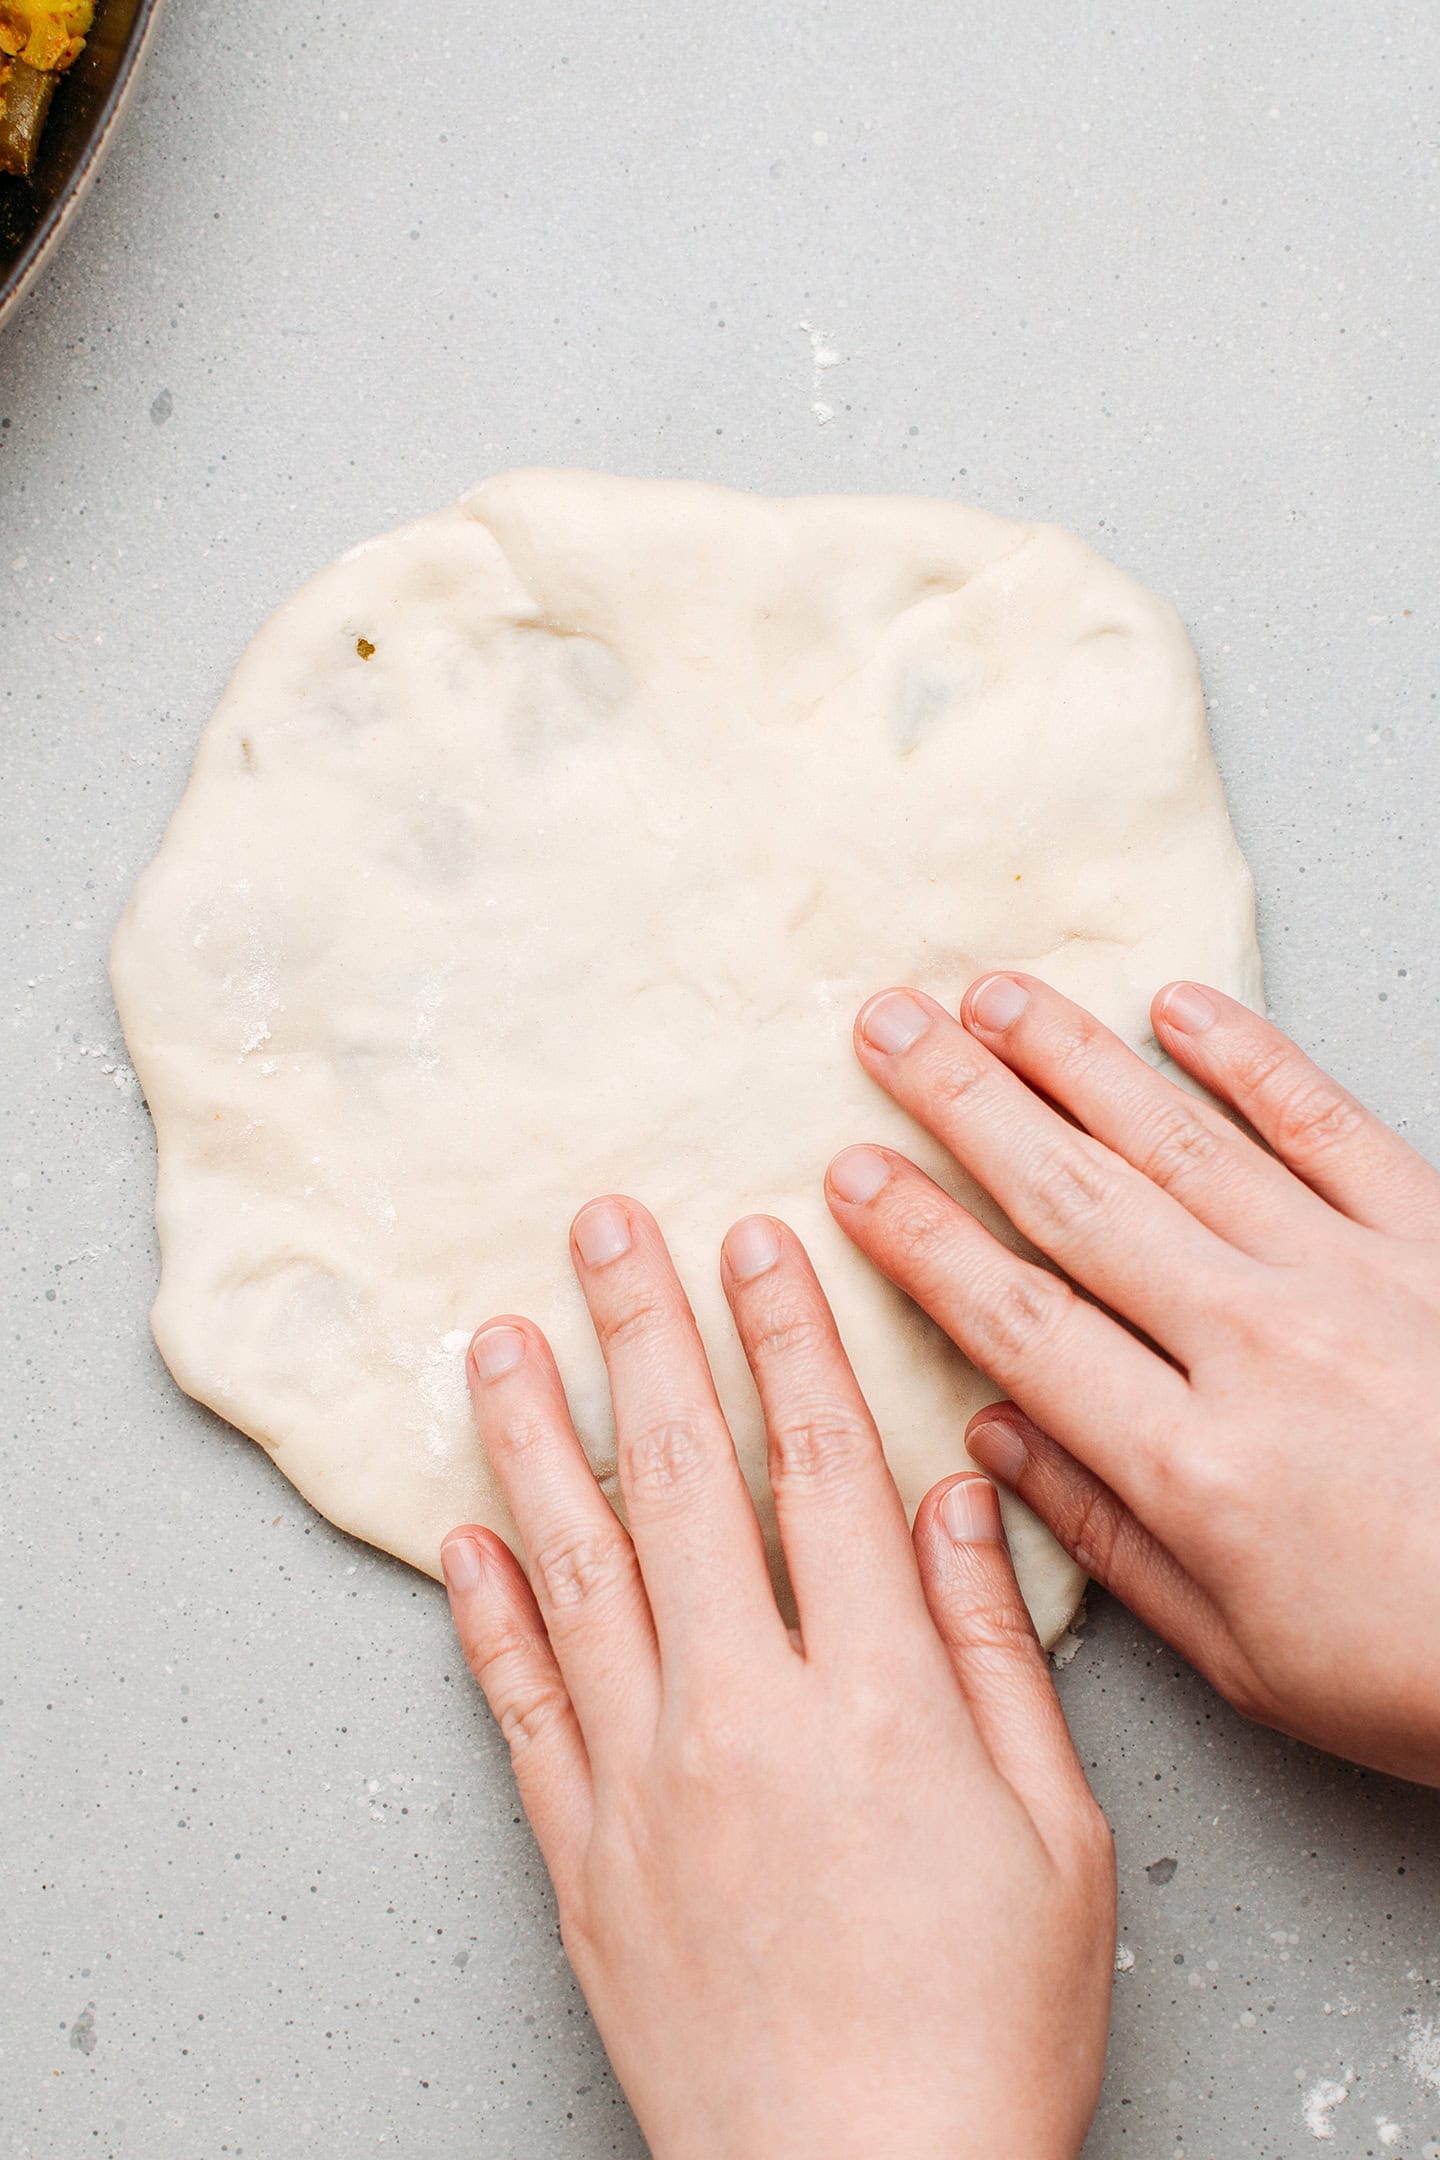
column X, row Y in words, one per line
column 1079, row 1048
column 1258, row 1063
column 958, row 1083
column 820, row 1448
column 1314, row 1116
column 1069, row 1187
column 996, row 1633
column 1318, row 1333
column 1180, row 1147
column 523, row 1432
column 1095, row 1533
column 916, row 1232
column 524, row 1719
column 1303, row 1324
column 638, row 1318
column 527, row 1700
column 881, row 1716
column 663, row 1460
column 579, row 1567
column 1307, row 1112
column 712, row 1748
column 787, row 1336
column 1021, row 1309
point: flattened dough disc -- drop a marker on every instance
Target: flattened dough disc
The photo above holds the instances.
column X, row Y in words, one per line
column 548, row 847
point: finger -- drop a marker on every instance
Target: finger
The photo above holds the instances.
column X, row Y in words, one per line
column 696, row 1534
column 1116, row 1233
column 833, row 1490
column 1077, row 1371
column 977, row 1608
column 1185, row 1147
column 1098, row 1530
column 1326, row 1137
column 582, row 1565
column 503, row 1638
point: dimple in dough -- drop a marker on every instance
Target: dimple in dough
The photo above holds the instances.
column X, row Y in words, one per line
column 548, row 847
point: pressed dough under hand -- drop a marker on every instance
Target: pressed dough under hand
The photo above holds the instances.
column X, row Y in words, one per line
column 547, row 847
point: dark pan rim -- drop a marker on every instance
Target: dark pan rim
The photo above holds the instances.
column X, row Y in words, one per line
column 60, row 211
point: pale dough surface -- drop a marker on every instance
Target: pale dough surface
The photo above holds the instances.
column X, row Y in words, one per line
column 575, row 883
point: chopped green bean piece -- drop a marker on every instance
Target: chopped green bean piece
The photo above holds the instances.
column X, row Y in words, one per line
column 25, row 94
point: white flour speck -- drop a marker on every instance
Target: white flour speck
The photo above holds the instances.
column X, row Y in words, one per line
column 1324, row 2096
column 823, row 357
column 1422, row 2054
column 1389, row 2133
column 1124, row 1958
column 112, row 1065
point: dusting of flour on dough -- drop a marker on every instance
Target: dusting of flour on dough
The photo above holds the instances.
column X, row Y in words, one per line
column 443, row 1399
column 252, row 990
column 429, row 997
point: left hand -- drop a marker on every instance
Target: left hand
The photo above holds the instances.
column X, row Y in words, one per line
column 1253, row 1461
column 834, row 1898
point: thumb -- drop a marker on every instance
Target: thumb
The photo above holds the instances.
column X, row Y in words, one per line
column 977, row 1608
column 1098, row 1530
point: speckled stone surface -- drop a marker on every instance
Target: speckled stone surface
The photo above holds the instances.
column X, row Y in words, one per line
column 1164, row 273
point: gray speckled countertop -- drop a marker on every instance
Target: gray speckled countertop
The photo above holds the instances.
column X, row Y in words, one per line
column 1166, row 273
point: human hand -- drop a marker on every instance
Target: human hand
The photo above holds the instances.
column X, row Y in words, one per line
column 1263, row 1485
column 843, row 1897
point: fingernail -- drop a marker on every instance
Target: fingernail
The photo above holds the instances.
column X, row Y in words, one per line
column 998, row 1002
column 858, row 1174
column 970, row 1512
column 892, row 1021
column 999, row 1449
column 602, row 1233
column 1187, row 1009
column 460, row 1559
column 496, row 1350
column 751, row 1247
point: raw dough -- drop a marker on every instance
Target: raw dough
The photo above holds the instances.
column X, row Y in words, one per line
column 549, row 846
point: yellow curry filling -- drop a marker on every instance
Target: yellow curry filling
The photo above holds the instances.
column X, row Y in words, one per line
column 38, row 40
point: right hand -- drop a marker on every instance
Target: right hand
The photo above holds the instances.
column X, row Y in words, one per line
column 1256, row 1469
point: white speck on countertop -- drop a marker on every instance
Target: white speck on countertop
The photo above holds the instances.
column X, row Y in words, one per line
column 823, row 356
column 1422, row 2054
column 1324, row 2096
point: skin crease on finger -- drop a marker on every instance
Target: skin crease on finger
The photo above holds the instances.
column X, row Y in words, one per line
column 1275, row 1512
column 853, row 1901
